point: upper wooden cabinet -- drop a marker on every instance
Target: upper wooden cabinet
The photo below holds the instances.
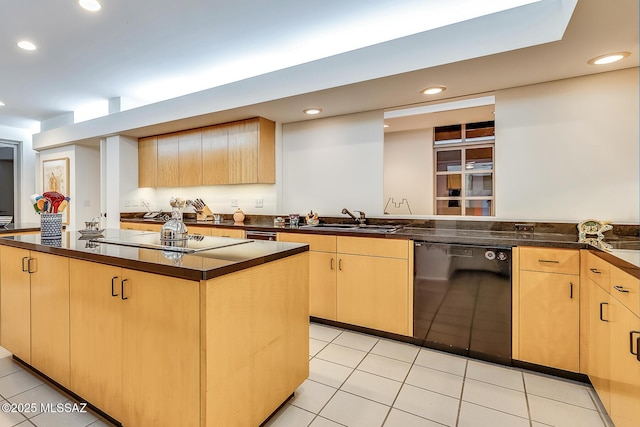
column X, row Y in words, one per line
column 148, row 162
column 215, row 155
column 190, row 158
column 232, row 153
column 252, row 152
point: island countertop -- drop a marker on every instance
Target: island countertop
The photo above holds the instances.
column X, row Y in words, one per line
column 202, row 265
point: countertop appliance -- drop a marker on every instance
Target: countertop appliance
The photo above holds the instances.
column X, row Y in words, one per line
column 462, row 299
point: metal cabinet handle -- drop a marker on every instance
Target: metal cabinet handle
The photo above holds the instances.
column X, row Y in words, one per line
column 570, row 290
column 340, row 264
column 621, row 289
column 24, row 269
column 331, row 264
column 29, row 270
column 595, row 271
column 122, row 282
column 113, row 292
column 601, row 304
column 550, row 261
column 631, row 344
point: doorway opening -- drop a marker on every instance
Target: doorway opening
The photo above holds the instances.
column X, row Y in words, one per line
column 9, row 180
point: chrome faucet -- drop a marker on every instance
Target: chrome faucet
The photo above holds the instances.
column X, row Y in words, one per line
column 360, row 220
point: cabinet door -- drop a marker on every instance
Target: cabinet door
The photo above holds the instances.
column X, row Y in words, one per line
column 190, row 158
column 243, row 152
column 15, row 302
column 549, row 319
column 148, row 162
column 161, row 351
column 195, row 229
column 322, row 285
column 599, row 337
column 625, row 366
column 215, row 155
column 50, row 316
column 228, row 232
column 96, row 334
column 373, row 292
column 168, row 161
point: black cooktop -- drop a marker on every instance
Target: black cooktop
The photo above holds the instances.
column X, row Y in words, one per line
column 194, row 242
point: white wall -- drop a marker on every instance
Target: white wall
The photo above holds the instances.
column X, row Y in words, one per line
column 87, row 187
column 568, row 150
column 408, row 171
column 334, row 163
column 27, row 178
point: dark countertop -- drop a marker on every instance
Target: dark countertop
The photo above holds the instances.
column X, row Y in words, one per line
column 19, row 228
column 194, row 266
column 623, row 249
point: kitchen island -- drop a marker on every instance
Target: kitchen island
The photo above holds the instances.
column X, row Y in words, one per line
column 214, row 337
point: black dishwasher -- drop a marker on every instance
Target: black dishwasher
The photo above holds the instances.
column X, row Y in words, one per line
column 462, row 299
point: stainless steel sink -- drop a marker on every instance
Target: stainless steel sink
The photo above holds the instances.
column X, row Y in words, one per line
column 359, row 228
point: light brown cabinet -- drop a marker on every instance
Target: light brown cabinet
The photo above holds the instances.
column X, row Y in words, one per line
column 359, row 280
column 123, row 322
column 215, row 155
column 148, row 162
column 168, row 162
column 252, row 152
column 232, row 153
column 614, row 340
column 142, row 226
column 96, row 334
column 322, row 272
column 549, row 307
column 34, row 311
column 15, row 302
column 190, row 158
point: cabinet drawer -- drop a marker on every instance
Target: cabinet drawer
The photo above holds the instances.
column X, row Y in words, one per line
column 550, row 260
column 624, row 288
column 316, row 242
column 390, row 248
column 599, row 271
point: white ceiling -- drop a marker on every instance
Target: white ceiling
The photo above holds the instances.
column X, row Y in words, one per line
column 123, row 49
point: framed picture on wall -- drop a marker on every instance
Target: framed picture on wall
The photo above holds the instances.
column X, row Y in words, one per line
column 55, row 177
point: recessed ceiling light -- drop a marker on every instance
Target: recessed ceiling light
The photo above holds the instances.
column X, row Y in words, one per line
column 1, row 104
column 26, row 45
column 91, row 5
column 432, row 90
column 312, row 111
column 608, row 58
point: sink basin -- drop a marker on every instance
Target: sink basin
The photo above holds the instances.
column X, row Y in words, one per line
column 359, row 228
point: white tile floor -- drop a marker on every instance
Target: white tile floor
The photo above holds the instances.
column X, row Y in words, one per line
column 362, row 380
column 21, row 396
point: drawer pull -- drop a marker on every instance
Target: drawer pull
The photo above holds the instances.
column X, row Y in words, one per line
column 621, row 289
column 601, row 304
column 24, row 269
column 113, row 292
column 631, row 344
column 29, row 270
column 549, row 261
column 595, row 271
column 570, row 290
column 331, row 263
column 340, row 264
column 122, row 282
